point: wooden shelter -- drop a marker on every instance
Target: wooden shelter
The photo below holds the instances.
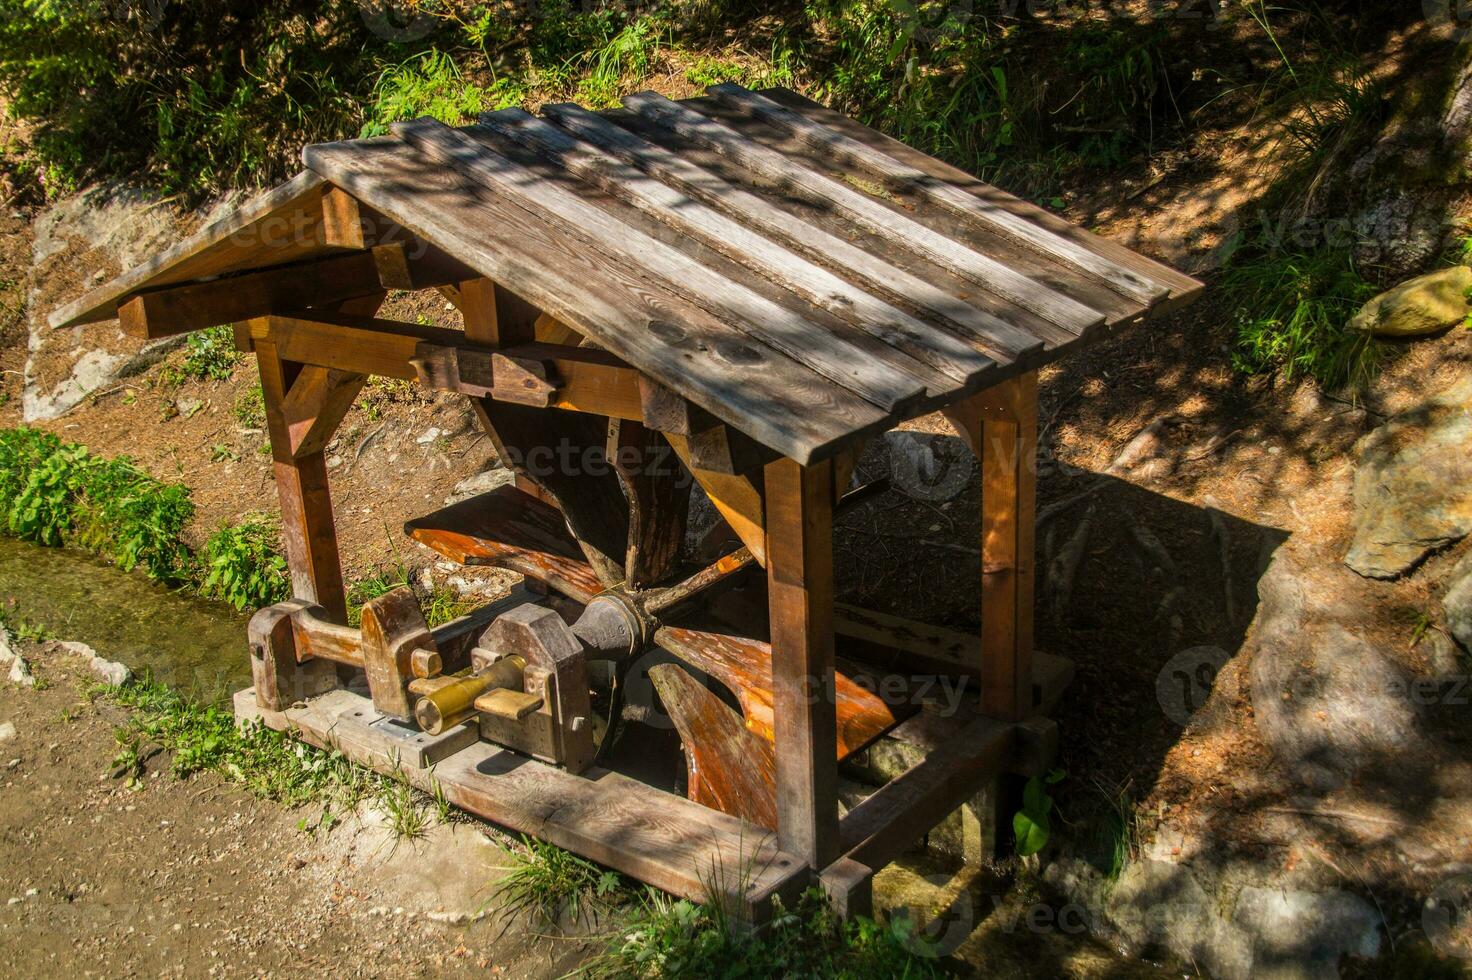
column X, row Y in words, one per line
column 748, row 280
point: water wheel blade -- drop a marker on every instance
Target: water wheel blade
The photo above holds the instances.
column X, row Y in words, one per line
column 745, row 666
column 510, row 529
column 657, row 487
column 730, row 768
column 562, row 453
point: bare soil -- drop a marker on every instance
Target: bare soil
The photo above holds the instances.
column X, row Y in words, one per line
column 195, row 877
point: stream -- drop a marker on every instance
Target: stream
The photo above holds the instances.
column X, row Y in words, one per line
column 194, row 646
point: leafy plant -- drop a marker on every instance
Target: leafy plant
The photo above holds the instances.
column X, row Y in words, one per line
column 209, row 355
column 59, row 493
column 431, row 85
column 243, row 566
column 1033, row 824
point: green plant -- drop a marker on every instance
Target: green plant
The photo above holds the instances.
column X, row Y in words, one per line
column 59, row 493
column 429, row 85
column 243, row 566
column 1033, row 824
column 677, row 938
column 270, row 764
column 544, row 880
column 621, row 61
column 192, row 95
column 250, row 407
column 400, row 804
column 209, row 355
column 1292, row 312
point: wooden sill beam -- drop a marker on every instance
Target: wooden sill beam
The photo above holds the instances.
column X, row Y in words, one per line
column 196, row 306
column 880, row 828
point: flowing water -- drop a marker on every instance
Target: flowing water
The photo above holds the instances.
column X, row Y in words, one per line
column 194, row 646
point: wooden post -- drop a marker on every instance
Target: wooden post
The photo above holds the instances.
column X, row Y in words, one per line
column 800, row 595
column 306, row 507
column 1001, row 424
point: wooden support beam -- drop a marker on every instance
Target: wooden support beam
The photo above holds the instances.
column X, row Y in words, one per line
column 495, row 316
column 800, row 595
column 315, row 406
column 306, row 506
column 671, row 843
column 342, row 220
column 724, row 449
column 737, row 498
column 880, row 828
column 670, row 413
column 362, row 345
column 1001, row 426
column 323, row 282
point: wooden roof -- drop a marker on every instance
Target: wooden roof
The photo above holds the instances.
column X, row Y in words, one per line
column 801, row 276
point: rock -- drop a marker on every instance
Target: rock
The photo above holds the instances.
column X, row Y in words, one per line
column 104, row 229
column 1457, row 605
column 1422, row 306
column 481, row 483
column 109, row 672
column 1303, row 934
column 1161, row 903
column 1326, row 701
column 428, row 436
column 20, row 673
column 1413, row 485
column 7, row 731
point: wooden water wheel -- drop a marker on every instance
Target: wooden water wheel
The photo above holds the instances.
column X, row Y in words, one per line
column 739, row 290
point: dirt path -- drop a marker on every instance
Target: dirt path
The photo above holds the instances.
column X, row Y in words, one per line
column 195, row 877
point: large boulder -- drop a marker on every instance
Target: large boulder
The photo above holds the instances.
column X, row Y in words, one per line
column 1325, row 699
column 80, row 243
column 1424, row 305
column 1413, row 487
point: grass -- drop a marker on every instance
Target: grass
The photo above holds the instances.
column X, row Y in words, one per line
column 250, row 407
column 438, row 605
column 677, row 938
column 270, row 765
column 1292, row 310
column 546, row 882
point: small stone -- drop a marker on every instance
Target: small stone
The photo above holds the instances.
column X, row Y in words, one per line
column 20, row 673
column 32, row 892
column 429, row 435
column 15, row 900
column 1422, row 306
column 7, row 731
column 333, row 462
